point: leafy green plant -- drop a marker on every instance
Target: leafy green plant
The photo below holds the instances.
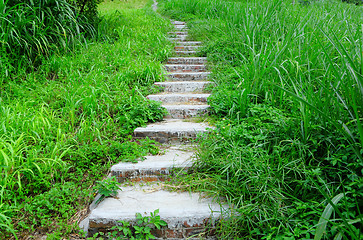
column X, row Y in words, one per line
column 107, row 188
column 140, row 230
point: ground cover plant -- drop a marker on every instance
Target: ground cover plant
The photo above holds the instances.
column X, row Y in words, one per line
column 66, row 119
column 287, row 151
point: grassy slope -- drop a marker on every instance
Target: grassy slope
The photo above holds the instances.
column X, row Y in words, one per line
column 287, row 76
column 65, row 124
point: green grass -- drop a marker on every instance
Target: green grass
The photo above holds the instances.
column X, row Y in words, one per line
column 66, row 122
column 32, row 31
column 288, row 107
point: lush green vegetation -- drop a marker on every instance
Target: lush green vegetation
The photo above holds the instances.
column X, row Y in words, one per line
column 287, row 104
column 288, row 110
column 71, row 95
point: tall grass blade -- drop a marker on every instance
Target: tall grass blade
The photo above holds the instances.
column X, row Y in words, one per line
column 325, row 216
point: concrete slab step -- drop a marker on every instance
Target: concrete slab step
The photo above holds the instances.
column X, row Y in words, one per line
column 190, row 43
column 191, row 98
column 186, row 214
column 187, row 60
column 185, row 86
column 154, row 168
column 186, row 48
column 177, row 22
column 181, row 27
column 185, row 111
column 185, row 53
column 185, row 67
column 179, row 38
column 172, row 130
column 178, row 33
column 187, row 76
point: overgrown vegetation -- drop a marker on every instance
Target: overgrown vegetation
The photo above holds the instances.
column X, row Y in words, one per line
column 288, row 110
column 32, row 30
column 65, row 121
column 141, row 229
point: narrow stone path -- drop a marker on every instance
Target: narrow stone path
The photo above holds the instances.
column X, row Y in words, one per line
column 184, row 97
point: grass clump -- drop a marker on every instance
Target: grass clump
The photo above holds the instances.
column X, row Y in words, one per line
column 288, row 109
column 33, row 30
column 65, row 122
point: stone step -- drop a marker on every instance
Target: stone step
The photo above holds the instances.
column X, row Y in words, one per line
column 187, row 60
column 171, row 130
column 190, row 43
column 185, row 86
column 179, row 38
column 185, row 67
column 187, row 76
column 186, row 48
column 185, row 53
column 154, row 168
column 190, row 98
column 177, row 22
column 185, row 111
column 178, row 33
column 181, row 27
column 186, row 214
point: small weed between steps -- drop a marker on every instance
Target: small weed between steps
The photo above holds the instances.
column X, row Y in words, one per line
column 141, row 230
column 107, row 188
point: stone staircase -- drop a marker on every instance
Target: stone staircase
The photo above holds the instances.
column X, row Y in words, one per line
column 188, row 215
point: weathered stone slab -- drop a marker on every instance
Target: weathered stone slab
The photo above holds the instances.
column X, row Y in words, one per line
column 154, row 168
column 177, row 22
column 185, row 111
column 185, row 53
column 181, row 27
column 178, row 33
column 186, row 214
column 184, row 86
column 185, row 67
column 178, row 38
column 187, row 76
column 190, row 43
column 187, row 60
column 186, row 48
column 172, row 130
column 191, row 98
